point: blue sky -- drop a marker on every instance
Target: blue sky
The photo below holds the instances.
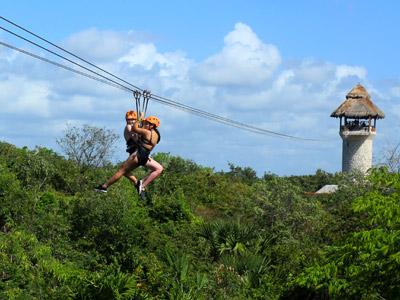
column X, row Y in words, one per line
column 280, row 65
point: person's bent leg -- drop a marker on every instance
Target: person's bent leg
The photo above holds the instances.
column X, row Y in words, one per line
column 130, row 164
column 156, row 170
column 131, row 178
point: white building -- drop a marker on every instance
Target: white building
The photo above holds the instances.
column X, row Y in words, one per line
column 358, row 117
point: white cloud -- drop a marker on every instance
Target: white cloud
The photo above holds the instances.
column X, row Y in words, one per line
column 144, row 55
column 314, row 72
column 396, row 111
column 395, row 91
column 100, row 45
column 343, row 71
column 283, row 79
column 75, row 104
column 173, row 64
column 244, row 61
column 23, row 97
column 7, row 56
column 308, row 85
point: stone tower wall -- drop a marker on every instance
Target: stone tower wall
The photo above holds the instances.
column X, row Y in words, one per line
column 357, row 151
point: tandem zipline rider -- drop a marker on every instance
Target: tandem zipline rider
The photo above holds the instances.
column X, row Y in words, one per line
column 141, row 136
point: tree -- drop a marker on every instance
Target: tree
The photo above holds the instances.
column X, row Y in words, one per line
column 391, row 158
column 246, row 174
column 89, row 146
column 365, row 264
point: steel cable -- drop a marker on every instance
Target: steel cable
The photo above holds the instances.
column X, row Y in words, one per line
column 113, row 83
column 163, row 100
column 66, row 51
column 59, row 55
column 64, row 66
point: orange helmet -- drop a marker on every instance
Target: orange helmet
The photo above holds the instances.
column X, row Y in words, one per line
column 131, row 114
column 153, row 120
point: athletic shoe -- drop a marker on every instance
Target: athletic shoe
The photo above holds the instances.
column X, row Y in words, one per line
column 139, row 186
column 143, row 195
column 100, row 189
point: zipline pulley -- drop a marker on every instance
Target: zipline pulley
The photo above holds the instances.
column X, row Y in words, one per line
column 142, row 101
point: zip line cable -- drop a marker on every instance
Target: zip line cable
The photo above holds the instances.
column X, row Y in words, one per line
column 213, row 116
column 240, row 124
column 58, row 47
column 162, row 100
column 173, row 105
column 66, row 51
column 63, row 66
column 116, row 84
column 152, row 96
column 122, row 88
column 58, row 55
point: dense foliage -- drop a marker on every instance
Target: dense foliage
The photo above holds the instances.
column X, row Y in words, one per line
column 201, row 235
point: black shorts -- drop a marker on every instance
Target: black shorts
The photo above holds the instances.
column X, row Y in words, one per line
column 142, row 155
column 131, row 149
column 131, row 146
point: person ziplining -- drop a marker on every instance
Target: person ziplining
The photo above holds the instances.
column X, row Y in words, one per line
column 141, row 136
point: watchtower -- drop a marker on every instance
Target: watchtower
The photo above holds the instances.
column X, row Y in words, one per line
column 358, row 117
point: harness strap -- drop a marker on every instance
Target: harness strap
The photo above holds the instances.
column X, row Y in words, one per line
column 146, row 98
column 148, row 142
column 158, row 134
column 137, row 95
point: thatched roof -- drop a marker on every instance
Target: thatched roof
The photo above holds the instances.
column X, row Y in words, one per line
column 358, row 105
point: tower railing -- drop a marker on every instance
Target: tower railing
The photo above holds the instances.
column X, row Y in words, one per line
column 354, row 127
